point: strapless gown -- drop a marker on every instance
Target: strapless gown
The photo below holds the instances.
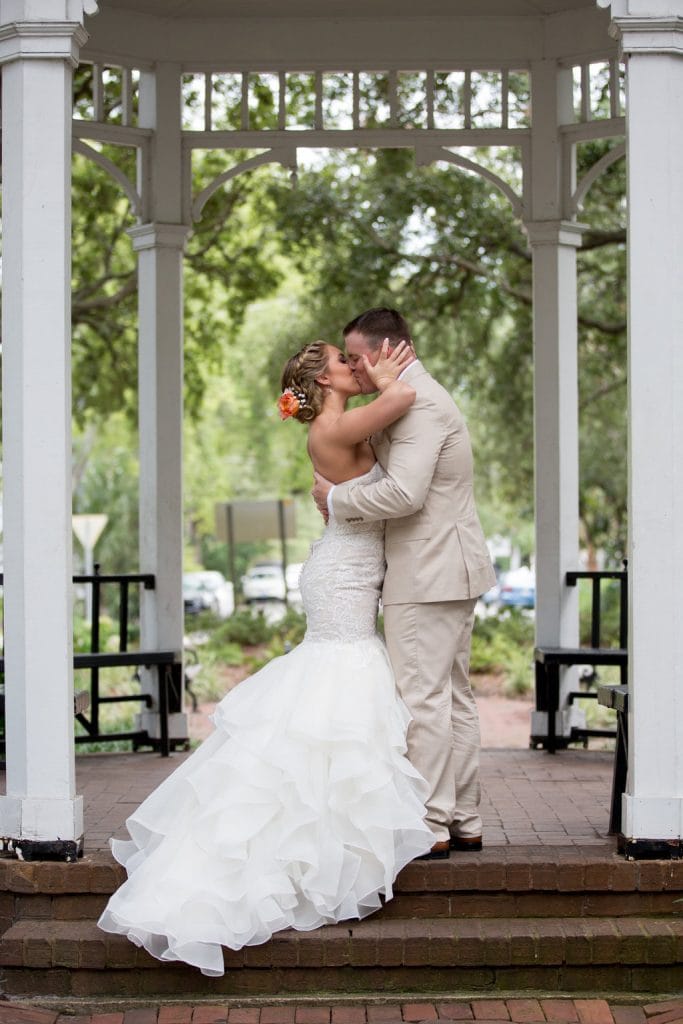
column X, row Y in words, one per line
column 301, row 807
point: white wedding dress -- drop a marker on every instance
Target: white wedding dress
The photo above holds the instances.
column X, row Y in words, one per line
column 301, row 808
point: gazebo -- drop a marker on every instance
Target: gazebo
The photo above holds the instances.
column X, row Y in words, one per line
column 151, row 45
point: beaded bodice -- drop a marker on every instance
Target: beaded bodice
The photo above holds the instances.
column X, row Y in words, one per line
column 342, row 578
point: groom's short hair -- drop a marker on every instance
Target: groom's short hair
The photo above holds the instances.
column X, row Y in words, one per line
column 379, row 323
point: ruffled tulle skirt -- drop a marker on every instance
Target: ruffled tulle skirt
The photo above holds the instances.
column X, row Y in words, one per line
column 298, row 811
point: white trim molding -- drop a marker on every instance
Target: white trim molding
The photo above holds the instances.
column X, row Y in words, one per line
column 554, row 232
column 46, row 10
column 659, row 31
column 159, row 236
column 649, row 35
column 39, row 40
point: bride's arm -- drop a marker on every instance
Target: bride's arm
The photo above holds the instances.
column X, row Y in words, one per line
column 394, row 399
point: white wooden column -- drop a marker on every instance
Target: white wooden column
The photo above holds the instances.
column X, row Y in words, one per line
column 653, row 46
column 40, row 810
column 553, row 241
column 160, row 244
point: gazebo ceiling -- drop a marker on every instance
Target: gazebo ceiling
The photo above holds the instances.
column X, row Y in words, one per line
column 346, row 34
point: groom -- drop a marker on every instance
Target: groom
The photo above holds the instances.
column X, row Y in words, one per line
column 437, row 566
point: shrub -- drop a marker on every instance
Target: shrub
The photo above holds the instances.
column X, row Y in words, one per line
column 209, row 684
column 109, row 632
column 504, row 643
column 610, row 592
column 291, row 628
column 242, row 628
column 519, row 674
column 227, row 654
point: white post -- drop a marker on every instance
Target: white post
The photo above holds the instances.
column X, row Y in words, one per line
column 553, row 241
column 653, row 45
column 160, row 245
column 40, row 810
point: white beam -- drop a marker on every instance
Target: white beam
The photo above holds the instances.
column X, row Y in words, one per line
column 653, row 804
column 37, row 59
column 160, row 245
column 553, row 241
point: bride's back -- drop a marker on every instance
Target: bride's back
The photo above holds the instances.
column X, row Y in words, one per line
column 337, row 462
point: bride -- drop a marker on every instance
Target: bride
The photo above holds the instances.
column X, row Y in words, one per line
column 301, row 807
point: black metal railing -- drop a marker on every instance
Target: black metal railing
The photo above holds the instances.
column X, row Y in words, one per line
column 124, row 581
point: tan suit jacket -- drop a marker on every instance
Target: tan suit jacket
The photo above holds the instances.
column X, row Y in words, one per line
column 435, row 547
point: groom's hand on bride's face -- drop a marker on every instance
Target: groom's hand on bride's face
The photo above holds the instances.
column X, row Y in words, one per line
column 321, row 488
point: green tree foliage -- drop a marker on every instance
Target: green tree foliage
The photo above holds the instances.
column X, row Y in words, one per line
column 105, row 480
column 602, row 358
column 231, row 262
column 361, row 228
column 372, row 229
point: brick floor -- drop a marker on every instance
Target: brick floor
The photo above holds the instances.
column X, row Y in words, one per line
column 524, row 1011
column 628, row 1014
column 419, row 1012
column 593, row 1011
column 175, row 1015
column 559, row 1011
column 529, row 798
column 483, row 1011
column 211, row 1015
column 490, row 1009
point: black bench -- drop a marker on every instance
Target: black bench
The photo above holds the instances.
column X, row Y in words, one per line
column 169, row 667
column 548, row 661
column 81, row 699
column 616, row 697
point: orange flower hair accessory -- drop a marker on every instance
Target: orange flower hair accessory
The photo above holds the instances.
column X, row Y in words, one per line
column 290, row 402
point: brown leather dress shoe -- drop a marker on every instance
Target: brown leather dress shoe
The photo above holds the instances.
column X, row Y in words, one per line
column 471, row 843
column 439, row 851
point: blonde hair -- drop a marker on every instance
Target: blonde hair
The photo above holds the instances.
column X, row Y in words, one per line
column 299, row 375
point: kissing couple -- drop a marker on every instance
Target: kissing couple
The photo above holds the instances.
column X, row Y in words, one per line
column 301, row 807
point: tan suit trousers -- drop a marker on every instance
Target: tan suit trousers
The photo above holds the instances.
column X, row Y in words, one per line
column 429, row 648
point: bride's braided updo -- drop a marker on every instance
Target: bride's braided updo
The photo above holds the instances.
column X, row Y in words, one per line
column 299, row 377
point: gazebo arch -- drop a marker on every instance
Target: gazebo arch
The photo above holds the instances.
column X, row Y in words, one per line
column 114, row 172
column 154, row 43
column 591, row 176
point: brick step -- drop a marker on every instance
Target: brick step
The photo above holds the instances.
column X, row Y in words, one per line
column 74, row 958
column 498, row 882
column 405, row 905
column 502, row 868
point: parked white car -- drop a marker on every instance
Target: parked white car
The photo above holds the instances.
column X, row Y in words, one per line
column 265, row 582
column 292, row 576
column 208, row 591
